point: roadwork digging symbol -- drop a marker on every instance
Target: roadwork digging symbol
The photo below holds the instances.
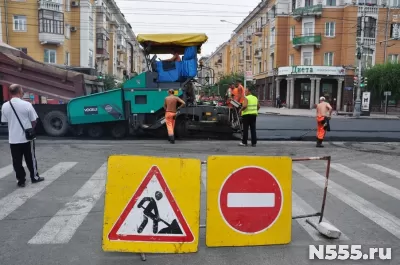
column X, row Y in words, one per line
column 152, row 214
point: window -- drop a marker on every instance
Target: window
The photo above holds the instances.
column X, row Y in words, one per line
column 292, row 32
column 272, row 37
column 328, row 59
column 395, row 30
column 66, row 58
column 307, row 58
column 67, row 31
column 19, row 23
column 50, row 56
column 51, row 22
column 367, row 58
column 259, row 67
column 308, row 2
column 68, row 5
column 308, row 29
column 393, row 58
column 395, row 3
column 90, row 64
column 24, row 50
column 331, row 2
column 369, row 27
column 91, row 36
column 291, row 60
column 330, row 29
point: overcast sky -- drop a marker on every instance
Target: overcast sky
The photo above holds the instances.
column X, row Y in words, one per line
column 187, row 16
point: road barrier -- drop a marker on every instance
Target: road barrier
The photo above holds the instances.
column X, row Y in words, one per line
column 152, row 204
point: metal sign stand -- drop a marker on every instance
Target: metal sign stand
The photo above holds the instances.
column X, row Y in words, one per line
column 320, row 213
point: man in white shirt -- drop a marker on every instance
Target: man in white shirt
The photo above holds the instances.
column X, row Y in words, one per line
column 20, row 146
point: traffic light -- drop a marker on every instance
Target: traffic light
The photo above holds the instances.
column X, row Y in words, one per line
column 363, row 81
column 100, row 77
column 355, row 81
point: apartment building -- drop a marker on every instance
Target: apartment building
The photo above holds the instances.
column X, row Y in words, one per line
column 87, row 34
column 117, row 50
column 57, row 32
column 219, row 61
column 300, row 50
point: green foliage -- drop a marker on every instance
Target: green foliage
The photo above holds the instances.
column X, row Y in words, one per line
column 226, row 80
column 384, row 77
column 109, row 82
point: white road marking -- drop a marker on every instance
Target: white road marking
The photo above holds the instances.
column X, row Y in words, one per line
column 300, row 207
column 376, row 184
column 251, row 200
column 369, row 210
column 383, row 169
column 61, row 228
column 7, row 170
column 17, row 198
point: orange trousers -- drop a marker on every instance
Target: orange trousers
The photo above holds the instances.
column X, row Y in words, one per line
column 320, row 127
column 170, row 121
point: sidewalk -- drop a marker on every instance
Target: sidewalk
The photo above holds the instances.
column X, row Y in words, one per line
column 311, row 113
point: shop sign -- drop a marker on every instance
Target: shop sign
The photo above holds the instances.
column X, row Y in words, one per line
column 314, row 70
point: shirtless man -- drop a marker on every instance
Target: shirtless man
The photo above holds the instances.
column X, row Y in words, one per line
column 324, row 111
column 170, row 106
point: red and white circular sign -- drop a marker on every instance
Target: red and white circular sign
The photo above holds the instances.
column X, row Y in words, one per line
column 250, row 200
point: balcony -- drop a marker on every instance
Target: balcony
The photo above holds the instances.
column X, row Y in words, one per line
column 51, row 31
column 315, row 10
column 219, row 60
column 258, row 53
column 104, row 10
column 120, row 64
column 249, row 39
column 51, row 5
column 102, row 31
column 258, row 32
column 101, row 48
column 314, row 39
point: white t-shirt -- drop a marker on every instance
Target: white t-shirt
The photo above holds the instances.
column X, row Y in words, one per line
column 26, row 113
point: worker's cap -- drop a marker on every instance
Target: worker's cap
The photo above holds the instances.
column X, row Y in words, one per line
column 322, row 98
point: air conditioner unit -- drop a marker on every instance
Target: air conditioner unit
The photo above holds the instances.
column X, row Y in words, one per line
column 74, row 3
column 73, row 29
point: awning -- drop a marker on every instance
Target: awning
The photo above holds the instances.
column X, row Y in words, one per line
column 163, row 43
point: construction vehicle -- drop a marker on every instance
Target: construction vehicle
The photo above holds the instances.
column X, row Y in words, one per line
column 138, row 107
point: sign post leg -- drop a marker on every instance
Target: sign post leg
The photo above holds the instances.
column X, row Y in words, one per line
column 328, row 166
column 143, row 256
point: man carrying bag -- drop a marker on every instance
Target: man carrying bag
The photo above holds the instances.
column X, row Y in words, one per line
column 21, row 118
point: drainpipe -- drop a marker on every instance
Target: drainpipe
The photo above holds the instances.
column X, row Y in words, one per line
column 6, row 20
column 131, row 57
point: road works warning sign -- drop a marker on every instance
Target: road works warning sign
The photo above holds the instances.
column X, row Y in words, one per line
column 157, row 212
column 249, row 201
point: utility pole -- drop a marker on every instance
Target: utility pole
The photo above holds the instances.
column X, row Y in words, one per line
column 357, row 106
column 386, row 33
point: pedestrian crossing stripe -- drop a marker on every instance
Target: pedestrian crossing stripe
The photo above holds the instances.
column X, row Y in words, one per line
column 168, row 223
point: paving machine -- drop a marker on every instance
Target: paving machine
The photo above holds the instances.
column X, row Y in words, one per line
column 138, row 107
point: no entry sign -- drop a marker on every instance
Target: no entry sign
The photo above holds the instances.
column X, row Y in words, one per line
column 250, row 200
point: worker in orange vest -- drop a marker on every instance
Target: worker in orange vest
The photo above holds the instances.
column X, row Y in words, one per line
column 239, row 92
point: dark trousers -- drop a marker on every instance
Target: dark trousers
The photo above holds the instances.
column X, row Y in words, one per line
column 27, row 151
column 249, row 121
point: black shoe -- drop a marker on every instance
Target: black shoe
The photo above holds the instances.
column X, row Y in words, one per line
column 40, row 179
column 172, row 139
column 21, row 185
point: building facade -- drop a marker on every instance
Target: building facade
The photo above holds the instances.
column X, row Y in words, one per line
column 87, row 34
column 300, row 50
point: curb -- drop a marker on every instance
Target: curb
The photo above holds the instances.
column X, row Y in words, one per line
column 334, row 139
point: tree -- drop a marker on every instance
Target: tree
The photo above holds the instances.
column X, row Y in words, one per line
column 384, row 77
column 226, row 80
column 109, row 82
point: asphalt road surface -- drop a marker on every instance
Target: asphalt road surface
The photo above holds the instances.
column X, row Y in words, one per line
column 46, row 224
column 274, row 127
column 271, row 127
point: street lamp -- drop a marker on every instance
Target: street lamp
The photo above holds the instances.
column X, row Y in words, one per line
column 244, row 50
